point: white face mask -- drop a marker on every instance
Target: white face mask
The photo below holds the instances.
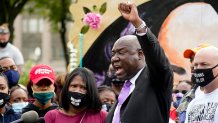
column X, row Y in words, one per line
column 17, row 107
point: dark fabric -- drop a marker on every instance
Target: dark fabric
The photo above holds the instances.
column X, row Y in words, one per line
column 9, row 115
column 151, row 99
column 40, row 112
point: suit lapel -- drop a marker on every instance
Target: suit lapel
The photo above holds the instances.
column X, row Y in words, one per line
column 111, row 113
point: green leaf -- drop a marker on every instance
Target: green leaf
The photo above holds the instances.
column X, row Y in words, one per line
column 84, row 29
column 86, row 10
column 103, row 8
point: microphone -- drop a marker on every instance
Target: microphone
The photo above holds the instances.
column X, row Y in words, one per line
column 28, row 117
column 40, row 120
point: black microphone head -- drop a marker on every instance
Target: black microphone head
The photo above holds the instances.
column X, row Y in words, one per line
column 30, row 117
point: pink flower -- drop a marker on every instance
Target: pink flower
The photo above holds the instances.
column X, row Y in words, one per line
column 93, row 20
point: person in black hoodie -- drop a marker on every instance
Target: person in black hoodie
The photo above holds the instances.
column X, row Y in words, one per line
column 41, row 87
column 7, row 113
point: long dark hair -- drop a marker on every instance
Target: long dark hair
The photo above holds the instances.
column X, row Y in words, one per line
column 93, row 102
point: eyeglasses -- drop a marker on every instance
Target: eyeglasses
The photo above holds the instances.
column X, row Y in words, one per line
column 12, row 67
column 178, row 91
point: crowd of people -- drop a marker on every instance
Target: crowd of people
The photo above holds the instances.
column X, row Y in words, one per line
column 141, row 85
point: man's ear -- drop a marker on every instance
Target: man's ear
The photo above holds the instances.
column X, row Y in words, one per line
column 140, row 54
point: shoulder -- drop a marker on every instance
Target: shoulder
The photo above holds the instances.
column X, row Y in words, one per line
column 9, row 110
column 11, row 114
column 99, row 112
column 52, row 113
column 195, row 101
column 53, row 106
column 11, row 47
column 55, row 111
column 13, row 50
column 101, row 115
column 29, row 107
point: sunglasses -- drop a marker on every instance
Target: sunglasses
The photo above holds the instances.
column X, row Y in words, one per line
column 178, row 91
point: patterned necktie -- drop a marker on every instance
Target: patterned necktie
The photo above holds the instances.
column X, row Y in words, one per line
column 124, row 93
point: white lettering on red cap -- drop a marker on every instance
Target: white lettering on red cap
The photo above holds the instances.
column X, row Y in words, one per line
column 42, row 71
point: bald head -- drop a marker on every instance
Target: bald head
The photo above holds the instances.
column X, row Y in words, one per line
column 209, row 49
column 206, row 58
column 130, row 41
column 207, row 55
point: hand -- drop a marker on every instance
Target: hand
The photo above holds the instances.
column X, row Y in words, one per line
column 129, row 12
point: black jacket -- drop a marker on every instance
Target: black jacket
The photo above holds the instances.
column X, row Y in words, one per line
column 151, row 99
column 40, row 112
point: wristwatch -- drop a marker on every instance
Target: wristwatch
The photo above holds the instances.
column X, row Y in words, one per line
column 142, row 28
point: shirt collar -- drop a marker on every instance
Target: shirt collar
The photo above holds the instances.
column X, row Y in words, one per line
column 133, row 79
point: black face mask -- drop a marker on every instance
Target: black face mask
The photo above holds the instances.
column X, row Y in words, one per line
column 115, row 80
column 203, row 77
column 4, row 98
column 77, row 100
column 3, row 44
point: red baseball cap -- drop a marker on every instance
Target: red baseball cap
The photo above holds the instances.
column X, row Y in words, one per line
column 189, row 52
column 42, row 71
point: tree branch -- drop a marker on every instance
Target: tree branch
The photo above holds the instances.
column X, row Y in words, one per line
column 17, row 7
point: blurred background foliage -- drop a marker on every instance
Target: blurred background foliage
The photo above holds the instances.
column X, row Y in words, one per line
column 55, row 11
column 24, row 78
